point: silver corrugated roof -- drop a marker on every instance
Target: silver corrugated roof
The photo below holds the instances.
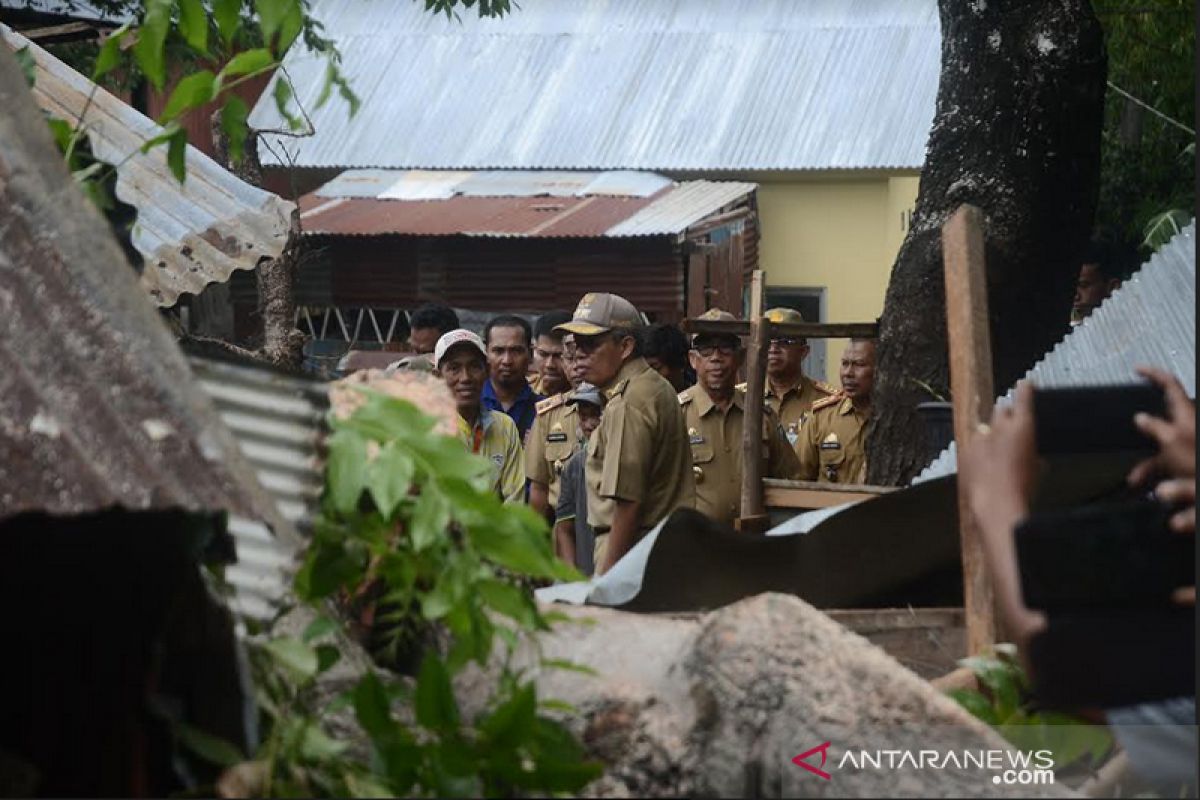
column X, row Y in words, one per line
column 682, row 207
column 190, row 235
column 1150, row 320
column 277, row 421
column 421, row 184
column 641, row 84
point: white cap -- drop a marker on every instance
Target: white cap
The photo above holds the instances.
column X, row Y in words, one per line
column 456, row 337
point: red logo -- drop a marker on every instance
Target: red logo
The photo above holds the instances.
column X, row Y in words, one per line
column 800, row 760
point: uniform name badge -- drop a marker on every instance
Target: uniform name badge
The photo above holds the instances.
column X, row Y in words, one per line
column 557, row 436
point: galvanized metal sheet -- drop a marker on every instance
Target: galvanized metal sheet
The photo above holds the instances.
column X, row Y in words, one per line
column 277, row 421
column 1150, row 320
column 549, row 205
column 641, row 84
column 190, row 235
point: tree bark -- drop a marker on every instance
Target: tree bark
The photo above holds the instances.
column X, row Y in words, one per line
column 1016, row 133
column 282, row 343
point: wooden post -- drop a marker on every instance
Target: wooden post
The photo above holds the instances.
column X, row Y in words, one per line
column 753, row 511
column 972, row 396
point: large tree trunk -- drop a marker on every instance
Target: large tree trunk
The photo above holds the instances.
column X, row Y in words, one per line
column 1016, row 133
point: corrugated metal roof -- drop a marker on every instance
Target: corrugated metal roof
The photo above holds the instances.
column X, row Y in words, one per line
column 190, row 235
column 468, row 204
column 641, row 84
column 1150, row 320
column 277, row 421
column 98, row 408
column 72, row 9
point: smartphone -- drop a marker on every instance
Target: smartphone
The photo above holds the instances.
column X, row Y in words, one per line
column 1095, row 419
column 1103, row 556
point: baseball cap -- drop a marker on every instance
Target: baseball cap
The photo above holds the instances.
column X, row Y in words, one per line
column 455, row 338
column 586, row 393
column 783, row 314
column 600, row 312
column 716, row 314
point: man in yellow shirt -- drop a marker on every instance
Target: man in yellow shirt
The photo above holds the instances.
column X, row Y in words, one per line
column 462, row 363
column 833, row 445
column 788, row 391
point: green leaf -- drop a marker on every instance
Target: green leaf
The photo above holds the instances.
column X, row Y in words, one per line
column 509, row 601
column 294, row 655
column 228, row 15
column 190, row 93
column 561, row 706
column 248, row 61
column 193, row 24
column 283, row 98
column 389, row 478
column 975, row 703
column 429, row 520
column 366, row 786
column 62, row 131
column 211, row 748
column 318, row 745
column 279, row 18
column 519, row 549
column 346, row 469
column 318, row 628
column 327, row 657
column 110, row 52
column 152, row 35
column 1162, row 227
column 512, row 722
column 568, row 666
column 28, row 65
column 233, row 123
column 177, row 154
column 326, row 568
column 436, row 708
column 372, row 707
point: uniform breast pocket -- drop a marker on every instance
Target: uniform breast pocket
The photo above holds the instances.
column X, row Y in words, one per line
column 702, row 452
column 558, row 452
column 832, row 454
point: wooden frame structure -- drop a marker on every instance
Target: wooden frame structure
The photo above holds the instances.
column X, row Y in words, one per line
column 971, row 388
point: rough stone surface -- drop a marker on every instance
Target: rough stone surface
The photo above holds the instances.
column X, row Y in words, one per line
column 718, row 705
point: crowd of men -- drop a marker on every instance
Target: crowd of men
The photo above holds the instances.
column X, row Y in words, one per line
column 606, row 424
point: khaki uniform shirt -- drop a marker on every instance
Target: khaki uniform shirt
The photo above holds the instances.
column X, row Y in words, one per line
column 794, row 408
column 639, row 452
column 833, row 443
column 715, row 437
column 553, row 439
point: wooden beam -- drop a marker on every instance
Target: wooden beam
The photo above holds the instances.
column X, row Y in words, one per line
column 811, row 494
column 807, row 330
column 972, row 396
column 70, row 31
column 753, row 518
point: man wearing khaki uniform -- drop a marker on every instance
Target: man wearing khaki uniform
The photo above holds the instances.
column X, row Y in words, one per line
column 714, row 411
column 788, row 391
column 833, row 447
column 638, row 467
column 553, row 439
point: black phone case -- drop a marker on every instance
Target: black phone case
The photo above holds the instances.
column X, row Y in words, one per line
column 1095, row 419
column 1105, row 556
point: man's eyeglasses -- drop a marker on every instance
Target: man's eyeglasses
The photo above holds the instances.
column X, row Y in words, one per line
column 787, row 340
column 586, row 345
column 707, row 350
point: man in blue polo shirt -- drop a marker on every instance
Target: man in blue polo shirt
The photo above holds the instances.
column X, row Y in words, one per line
column 509, row 340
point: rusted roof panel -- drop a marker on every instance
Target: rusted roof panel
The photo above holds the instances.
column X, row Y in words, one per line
column 190, row 235
column 98, row 408
column 424, row 203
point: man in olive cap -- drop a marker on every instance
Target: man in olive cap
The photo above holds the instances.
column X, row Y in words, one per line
column 714, row 410
column 788, row 391
column 638, row 467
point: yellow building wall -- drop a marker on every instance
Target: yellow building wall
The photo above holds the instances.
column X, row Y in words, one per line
column 839, row 234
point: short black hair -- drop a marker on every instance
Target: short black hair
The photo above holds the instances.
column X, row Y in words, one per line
column 1112, row 258
column 667, row 343
column 508, row 321
column 432, row 315
column 546, row 322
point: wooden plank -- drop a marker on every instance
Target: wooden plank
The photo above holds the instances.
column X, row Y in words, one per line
column 753, row 518
column 69, row 31
column 815, row 496
column 929, row 641
column 971, row 395
column 807, row 330
column 697, row 283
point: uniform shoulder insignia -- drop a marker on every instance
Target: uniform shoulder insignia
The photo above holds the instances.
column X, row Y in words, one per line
column 619, row 389
column 826, row 388
column 826, row 402
column 685, row 397
column 741, row 386
column 551, row 403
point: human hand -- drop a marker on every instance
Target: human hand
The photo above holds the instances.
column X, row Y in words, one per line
column 999, row 462
column 1176, row 435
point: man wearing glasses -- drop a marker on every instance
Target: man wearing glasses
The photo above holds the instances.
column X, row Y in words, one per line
column 714, row 410
column 789, row 392
column 638, row 466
